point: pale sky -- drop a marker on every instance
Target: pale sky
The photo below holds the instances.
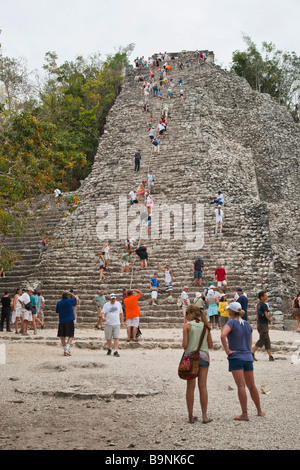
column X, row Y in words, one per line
column 30, row 28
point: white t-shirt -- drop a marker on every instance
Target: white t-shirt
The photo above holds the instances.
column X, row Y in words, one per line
column 184, row 296
column 150, row 178
column 24, row 298
column 219, row 217
column 129, row 242
column 112, row 313
column 132, row 195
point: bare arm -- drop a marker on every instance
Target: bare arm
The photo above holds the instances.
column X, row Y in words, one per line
column 224, row 334
column 185, row 340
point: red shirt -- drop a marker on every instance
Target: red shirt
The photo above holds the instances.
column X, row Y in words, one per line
column 220, row 273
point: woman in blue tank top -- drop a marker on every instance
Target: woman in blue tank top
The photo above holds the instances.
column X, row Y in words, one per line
column 236, row 338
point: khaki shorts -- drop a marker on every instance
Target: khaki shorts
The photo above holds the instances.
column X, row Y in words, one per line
column 99, row 312
column 112, row 331
column 264, row 339
column 26, row 314
column 220, row 283
column 133, row 322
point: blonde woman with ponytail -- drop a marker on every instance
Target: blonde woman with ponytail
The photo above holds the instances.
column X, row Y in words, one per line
column 236, row 338
column 195, row 322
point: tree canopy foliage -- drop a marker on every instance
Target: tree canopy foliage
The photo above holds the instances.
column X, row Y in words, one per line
column 50, row 128
column 269, row 70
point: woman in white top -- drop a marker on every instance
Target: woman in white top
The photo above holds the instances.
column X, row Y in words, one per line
column 149, row 203
column 17, row 311
column 219, row 219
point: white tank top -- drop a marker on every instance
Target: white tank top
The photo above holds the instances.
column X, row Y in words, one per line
column 168, row 277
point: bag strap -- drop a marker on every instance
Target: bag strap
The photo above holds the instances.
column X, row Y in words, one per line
column 202, row 337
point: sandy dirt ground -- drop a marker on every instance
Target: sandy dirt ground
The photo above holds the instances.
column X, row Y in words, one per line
column 91, row 401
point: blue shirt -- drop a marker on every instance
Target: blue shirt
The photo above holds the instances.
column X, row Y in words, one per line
column 154, row 282
column 65, row 310
column 244, row 304
column 239, row 340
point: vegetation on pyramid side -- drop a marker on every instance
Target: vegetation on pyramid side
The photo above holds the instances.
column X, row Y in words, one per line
column 50, row 129
column 270, row 71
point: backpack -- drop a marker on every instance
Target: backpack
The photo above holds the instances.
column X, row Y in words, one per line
column 211, row 297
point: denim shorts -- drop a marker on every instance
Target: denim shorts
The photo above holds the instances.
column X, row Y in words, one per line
column 239, row 364
column 203, row 363
column 197, row 274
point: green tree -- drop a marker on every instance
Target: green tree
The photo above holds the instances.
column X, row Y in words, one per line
column 48, row 138
column 268, row 70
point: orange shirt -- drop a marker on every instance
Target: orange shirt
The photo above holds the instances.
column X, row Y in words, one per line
column 132, row 306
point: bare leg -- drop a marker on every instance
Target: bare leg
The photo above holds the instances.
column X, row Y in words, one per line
column 190, row 388
column 202, row 379
column 249, row 378
column 239, row 378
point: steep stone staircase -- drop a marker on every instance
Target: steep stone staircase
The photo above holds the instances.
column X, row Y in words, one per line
column 198, row 156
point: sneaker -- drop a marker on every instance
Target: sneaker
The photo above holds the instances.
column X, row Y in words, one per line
column 116, row 354
column 67, row 352
column 271, row 358
column 108, row 352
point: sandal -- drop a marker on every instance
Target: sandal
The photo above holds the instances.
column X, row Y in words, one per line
column 194, row 420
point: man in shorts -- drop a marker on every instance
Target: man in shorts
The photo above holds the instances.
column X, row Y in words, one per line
column 64, row 308
column 99, row 300
column 132, row 312
column 150, row 181
column 107, row 255
column 24, row 300
column 125, row 260
column 263, row 320
column 198, row 269
column 112, row 314
column 185, row 301
column 168, row 279
column 221, row 276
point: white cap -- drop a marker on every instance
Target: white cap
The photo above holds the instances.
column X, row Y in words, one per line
column 198, row 294
column 113, row 296
column 234, row 306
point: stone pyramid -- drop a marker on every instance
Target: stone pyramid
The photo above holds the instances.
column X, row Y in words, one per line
column 223, row 135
